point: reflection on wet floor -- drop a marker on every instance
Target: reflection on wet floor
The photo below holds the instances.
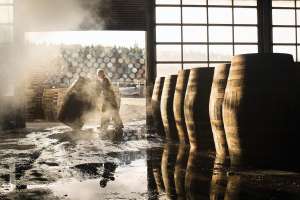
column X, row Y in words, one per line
column 185, row 174
column 56, row 163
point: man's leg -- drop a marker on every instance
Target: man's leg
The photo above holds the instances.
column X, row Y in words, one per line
column 105, row 117
column 104, row 122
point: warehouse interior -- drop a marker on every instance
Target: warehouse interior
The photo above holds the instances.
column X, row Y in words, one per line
column 207, row 92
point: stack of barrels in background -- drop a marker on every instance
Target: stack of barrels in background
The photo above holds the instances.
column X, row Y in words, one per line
column 252, row 104
column 121, row 64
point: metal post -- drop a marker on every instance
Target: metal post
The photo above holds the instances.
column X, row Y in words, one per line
column 264, row 9
column 151, row 66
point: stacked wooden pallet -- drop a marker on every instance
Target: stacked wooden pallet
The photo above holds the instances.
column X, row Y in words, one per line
column 51, row 102
column 34, row 95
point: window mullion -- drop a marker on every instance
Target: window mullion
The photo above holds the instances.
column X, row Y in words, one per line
column 207, row 31
column 181, row 26
column 296, row 30
column 233, row 49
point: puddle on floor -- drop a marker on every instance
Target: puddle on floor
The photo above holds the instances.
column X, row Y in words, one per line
column 57, row 163
column 124, row 182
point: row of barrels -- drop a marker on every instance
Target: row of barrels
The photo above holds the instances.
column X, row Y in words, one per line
column 249, row 105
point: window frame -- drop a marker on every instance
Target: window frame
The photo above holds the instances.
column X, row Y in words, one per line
column 208, row 43
column 10, row 24
column 296, row 26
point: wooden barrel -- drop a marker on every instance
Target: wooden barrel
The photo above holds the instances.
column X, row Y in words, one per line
column 295, row 97
column 255, row 109
column 196, row 110
column 155, row 104
column 167, row 113
column 294, row 112
column 178, row 105
column 79, row 100
column 215, row 109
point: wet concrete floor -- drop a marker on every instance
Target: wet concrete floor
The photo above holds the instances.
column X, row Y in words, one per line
column 57, row 163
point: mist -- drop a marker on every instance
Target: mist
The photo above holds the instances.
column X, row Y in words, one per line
column 18, row 59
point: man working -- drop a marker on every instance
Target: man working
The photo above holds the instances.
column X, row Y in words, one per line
column 110, row 106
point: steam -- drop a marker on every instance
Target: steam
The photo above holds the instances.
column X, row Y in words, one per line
column 58, row 15
column 53, row 15
column 19, row 58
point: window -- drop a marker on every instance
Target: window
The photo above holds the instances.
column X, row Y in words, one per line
column 286, row 21
column 203, row 33
column 6, row 21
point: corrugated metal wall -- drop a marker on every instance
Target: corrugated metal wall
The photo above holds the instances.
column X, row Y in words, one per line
column 127, row 15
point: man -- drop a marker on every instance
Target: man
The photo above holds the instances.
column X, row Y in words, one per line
column 110, row 106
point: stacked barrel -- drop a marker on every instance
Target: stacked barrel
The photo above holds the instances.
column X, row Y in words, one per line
column 247, row 110
column 121, row 64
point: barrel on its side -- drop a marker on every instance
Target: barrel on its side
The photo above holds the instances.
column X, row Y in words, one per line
column 78, row 101
column 178, row 105
column 166, row 105
column 215, row 109
column 255, row 110
column 196, row 106
column 155, row 103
